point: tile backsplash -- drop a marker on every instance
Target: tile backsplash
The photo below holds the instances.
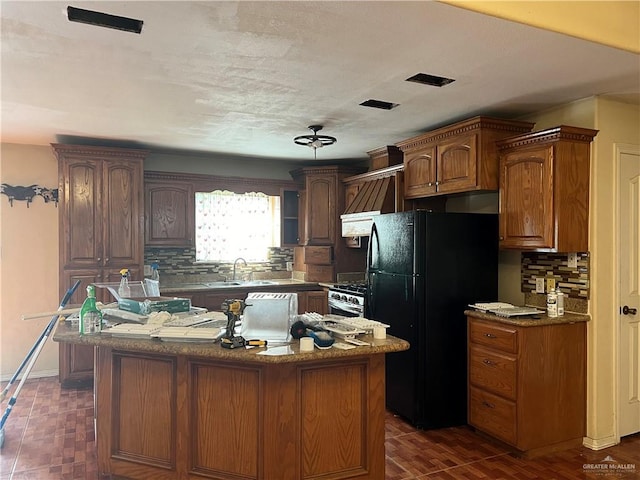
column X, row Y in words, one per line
column 176, row 262
column 573, row 281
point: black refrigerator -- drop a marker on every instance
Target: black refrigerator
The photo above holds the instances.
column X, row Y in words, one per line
column 423, row 270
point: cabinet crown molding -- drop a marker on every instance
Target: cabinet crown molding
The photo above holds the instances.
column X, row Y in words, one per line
column 111, row 152
column 470, row 125
column 561, row 132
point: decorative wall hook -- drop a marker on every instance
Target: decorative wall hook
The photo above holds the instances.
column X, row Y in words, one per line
column 27, row 193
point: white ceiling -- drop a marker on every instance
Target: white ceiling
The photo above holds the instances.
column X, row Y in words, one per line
column 244, row 78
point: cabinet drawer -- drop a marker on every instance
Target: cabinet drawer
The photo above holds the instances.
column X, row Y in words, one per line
column 318, row 255
column 319, row 273
column 495, row 336
column 493, row 415
column 492, row 371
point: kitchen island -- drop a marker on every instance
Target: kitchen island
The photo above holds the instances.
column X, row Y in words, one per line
column 178, row 410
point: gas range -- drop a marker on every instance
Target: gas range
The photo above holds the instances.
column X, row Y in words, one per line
column 347, row 299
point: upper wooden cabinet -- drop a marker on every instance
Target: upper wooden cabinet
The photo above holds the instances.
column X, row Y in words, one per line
column 169, row 211
column 101, row 207
column 321, row 203
column 324, row 202
column 544, row 190
column 458, row 158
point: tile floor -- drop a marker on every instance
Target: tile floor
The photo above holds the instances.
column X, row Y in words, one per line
column 49, row 435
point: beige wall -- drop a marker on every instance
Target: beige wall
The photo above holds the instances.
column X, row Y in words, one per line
column 28, row 259
column 617, row 122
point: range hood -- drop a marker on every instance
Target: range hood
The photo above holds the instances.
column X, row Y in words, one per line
column 376, row 195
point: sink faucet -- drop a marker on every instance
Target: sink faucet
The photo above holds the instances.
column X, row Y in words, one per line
column 235, row 264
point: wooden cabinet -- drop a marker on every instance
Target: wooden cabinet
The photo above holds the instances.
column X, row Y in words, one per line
column 544, row 190
column 313, row 301
column 169, row 212
column 527, row 385
column 101, row 218
column 323, row 202
column 458, row 158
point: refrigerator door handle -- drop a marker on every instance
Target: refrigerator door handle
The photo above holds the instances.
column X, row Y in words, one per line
column 373, row 241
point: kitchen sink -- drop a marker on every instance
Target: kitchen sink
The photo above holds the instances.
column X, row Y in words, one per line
column 222, row 284
column 239, row 283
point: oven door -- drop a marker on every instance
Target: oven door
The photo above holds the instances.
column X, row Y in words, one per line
column 345, row 309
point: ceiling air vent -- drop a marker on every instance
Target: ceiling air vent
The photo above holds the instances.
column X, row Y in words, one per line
column 104, row 20
column 432, row 80
column 379, row 104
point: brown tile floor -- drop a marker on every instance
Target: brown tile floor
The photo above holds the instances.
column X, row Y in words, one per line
column 49, row 435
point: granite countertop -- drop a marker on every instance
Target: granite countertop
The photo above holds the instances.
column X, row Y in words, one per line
column 530, row 320
column 65, row 333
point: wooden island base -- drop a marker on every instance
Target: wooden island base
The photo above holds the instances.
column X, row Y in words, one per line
column 171, row 411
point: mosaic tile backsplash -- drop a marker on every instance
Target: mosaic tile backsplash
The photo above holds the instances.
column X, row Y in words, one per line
column 574, row 282
column 178, row 262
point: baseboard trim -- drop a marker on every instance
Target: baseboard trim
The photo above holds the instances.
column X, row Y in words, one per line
column 38, row 374
column 600, row 443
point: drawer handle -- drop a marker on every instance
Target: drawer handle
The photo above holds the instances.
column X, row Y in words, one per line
column 490, row 335
column 486, row 361
column 488, row 405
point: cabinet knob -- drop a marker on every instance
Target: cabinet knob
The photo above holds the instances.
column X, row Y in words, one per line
column 437, row 183
column 486, row 361
column 489, row 335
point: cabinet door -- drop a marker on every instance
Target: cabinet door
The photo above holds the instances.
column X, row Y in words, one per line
column 317, row 301
column 420, row 172
column 75, row 365
column 69, row 277
column 80, row 213
column 526, row 198
column 122, row 209
column 457, row 164
column 321, row 209
column 169, row 214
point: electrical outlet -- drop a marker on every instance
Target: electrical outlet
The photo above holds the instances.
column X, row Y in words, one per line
column 539, row 284
column 572, row 260
column 551, row 284
column 147, row 270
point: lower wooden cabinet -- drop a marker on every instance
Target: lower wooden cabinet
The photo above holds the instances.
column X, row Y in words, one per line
column 527, row 384
column 75, row 365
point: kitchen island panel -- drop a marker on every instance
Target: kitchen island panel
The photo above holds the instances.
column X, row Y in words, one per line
column 144, row 396
column 224, row 419
column 334, row 416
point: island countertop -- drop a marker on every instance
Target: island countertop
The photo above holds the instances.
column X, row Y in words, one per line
column 65, row 333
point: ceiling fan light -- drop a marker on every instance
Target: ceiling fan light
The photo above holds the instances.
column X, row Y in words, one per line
column 315, row 141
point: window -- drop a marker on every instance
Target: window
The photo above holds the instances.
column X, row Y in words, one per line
column 231, row 225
